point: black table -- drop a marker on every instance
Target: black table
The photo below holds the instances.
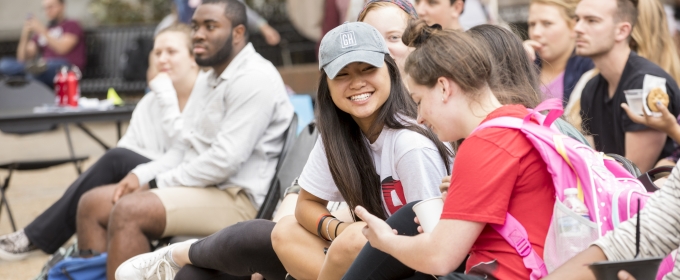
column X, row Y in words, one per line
column 30, row 117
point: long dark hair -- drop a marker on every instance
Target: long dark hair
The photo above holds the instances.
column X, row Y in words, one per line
column 515, row 77
column 347, row 150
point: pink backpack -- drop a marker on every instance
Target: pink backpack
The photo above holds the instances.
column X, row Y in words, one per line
column 667, row 265
column 608, row 190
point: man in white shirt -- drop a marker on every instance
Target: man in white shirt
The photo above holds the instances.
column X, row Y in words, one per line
column 218, row 171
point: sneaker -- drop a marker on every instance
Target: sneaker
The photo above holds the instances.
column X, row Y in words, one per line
column 15, row 246
column 157, row 265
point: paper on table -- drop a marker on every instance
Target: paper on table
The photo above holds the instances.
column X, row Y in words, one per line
column 650, row 82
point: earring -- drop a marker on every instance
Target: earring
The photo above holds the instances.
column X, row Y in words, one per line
column 442, row 99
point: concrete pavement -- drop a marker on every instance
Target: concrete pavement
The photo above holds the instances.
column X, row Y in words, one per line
column 31, row 192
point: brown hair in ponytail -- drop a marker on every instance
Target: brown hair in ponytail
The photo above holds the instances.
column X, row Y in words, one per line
column 452, row 54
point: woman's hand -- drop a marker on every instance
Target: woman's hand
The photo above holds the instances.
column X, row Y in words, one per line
column 667, row 123
column 377, row 231
column 444, row 187
column 420, row 228
column 161, row 83
column 531, row 47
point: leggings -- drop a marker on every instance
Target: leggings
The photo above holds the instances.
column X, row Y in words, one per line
column 372, row 263
column 235, row 252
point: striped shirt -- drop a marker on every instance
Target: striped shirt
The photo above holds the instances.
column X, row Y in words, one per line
column 659, row 228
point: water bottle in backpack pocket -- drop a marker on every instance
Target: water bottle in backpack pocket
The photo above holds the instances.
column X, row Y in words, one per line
column 570, row 231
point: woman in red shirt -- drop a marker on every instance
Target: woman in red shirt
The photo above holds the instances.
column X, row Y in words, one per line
column 496, row 171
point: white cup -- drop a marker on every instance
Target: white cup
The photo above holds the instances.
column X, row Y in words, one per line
column 428, row 212
column 634, row 100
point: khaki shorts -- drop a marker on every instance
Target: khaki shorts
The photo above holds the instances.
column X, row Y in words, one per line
column 203, row 211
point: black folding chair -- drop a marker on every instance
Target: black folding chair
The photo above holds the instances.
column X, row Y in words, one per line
column 289, row 170
column 24, row 94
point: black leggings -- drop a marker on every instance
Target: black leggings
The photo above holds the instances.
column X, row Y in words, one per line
column 57, row 224
column 235, row 252
column 372, row 263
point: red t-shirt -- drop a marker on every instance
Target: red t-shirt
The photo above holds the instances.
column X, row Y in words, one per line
column 497, row 170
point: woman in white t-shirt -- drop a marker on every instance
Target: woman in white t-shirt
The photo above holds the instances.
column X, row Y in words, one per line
column 371, row 153
column 157, row 120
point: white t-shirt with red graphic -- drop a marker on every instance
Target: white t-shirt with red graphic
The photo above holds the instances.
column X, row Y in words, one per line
column 408, row 163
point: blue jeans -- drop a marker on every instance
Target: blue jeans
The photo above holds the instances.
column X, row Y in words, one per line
column 11, row 67
column 184, row 12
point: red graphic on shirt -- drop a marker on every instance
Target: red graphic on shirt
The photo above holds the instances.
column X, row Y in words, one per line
column 393, row 193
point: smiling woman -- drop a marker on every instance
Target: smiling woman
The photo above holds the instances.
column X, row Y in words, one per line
column 371, row 153
column 360, row 89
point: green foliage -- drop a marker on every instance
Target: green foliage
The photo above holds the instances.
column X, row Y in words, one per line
column 120, row 12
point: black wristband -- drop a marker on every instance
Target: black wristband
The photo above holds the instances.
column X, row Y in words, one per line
column 336, row 229
column 320, row 225
column 152, row 184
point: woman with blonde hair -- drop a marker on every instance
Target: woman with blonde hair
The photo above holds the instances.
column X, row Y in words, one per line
column 551, row 44
column 651, row 38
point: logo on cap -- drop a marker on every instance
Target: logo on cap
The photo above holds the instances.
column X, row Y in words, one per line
column 348, row 39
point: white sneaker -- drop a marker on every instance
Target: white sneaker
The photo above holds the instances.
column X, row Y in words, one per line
column 156, row 265
column 15, row 246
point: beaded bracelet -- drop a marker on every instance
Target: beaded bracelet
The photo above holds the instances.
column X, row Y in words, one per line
column 328, row 225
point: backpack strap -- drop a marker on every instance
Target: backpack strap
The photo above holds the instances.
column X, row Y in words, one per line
column 553, row 105
column 516, row 235
column 507, row 122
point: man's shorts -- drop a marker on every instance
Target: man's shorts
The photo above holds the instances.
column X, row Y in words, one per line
column 197, row 211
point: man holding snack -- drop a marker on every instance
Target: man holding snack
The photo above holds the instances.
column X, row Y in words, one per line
column 603, row 34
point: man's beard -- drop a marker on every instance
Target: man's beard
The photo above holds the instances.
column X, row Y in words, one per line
column 218, row 58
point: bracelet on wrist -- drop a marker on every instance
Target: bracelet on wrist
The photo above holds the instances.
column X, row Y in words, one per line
column 336, row 228
column 328, row 225
column 319, row 224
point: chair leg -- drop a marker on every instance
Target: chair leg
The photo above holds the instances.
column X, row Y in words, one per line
column 118, row 129
column 70, row 148
column 3, row 200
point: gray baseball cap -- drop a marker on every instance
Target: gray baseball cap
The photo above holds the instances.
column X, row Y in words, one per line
column 351, row 42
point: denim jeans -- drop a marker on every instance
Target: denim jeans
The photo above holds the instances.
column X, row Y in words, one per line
column 11, row 67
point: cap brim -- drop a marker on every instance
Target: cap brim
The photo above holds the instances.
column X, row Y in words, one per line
column 376, row 59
